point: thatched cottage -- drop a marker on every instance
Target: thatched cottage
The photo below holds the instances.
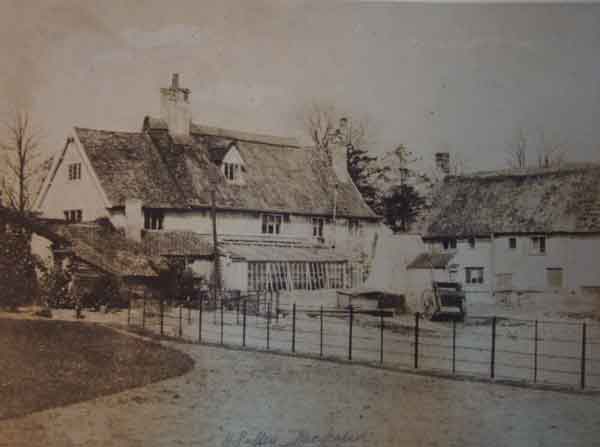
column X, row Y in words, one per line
column 517, row 230
column 287, row 217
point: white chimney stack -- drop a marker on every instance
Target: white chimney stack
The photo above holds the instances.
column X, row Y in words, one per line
column 175, row 107
column 134, row 219
column 339, row 152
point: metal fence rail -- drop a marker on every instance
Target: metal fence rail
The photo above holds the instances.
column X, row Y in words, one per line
column 561, row 353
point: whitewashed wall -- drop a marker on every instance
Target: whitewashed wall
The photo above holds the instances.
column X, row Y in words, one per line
column 65, row 194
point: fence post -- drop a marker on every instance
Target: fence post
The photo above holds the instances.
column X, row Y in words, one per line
column 268, row 325
column 221, row 320
column 244, row 326
column 200, row 321
column 583, row 343
column 237, row 313
column 144, row 314
column 535, row 351
column 493, row 353
column 350, row 332
column 189, row 313
column 294, row 327
column 453, row 346
column 381, row 337
column 180, row 320
column 129, row 312
column 162, row 318
column 321, row 333
column 416, row 353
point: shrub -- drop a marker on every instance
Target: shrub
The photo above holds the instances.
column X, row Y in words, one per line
column 107, row 290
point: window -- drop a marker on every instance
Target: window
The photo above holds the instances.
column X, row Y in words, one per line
column 474, row 275
column 271, row 223
column 74, row 171
column 471, row 242
column 232, row 172
column 449, row 244
column 512, row 243
column 153, row 219
column 538, row 245
column 317, row 227
column 354, row 227
column 73, row 216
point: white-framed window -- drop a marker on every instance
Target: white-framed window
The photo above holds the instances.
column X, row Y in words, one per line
column 538, row 245
column 474, row 275
column 449, row 244
column 232, row 172
column 512, row 243
column 354, row 227
column 73, row 216
column 317, row 227
column 153, row 219
column 271, row 223
column 74, row 171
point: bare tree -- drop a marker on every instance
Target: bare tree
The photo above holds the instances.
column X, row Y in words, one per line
column 320, row 121
column 325, row 125
column 20, row 144
column 552, row 151
column 516, row 150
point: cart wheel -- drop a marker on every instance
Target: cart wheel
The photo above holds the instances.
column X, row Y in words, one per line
column 428, row 303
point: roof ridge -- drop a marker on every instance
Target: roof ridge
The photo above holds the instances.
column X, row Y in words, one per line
column 129, row 132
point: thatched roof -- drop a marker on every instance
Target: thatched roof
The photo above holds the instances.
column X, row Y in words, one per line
column 565, row 200
column 431, row 261
column 107, row 249
column 279, row 175
column 177, row 243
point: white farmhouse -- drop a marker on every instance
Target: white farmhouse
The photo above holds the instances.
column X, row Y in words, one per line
column 517, row 230
column 288, row 217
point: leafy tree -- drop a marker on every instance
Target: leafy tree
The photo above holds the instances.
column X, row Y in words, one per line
column 402, row 205
column 176, row 280
column 18, row 283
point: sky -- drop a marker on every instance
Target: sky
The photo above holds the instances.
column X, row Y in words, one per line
column 435, row 77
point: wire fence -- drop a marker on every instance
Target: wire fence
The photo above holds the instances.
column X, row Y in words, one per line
column 561, row 353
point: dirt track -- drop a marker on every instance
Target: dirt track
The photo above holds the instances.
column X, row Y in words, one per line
column 289, row 400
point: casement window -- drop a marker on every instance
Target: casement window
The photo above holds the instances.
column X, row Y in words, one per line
column 449, row 244
column 74, row 171
column 73, row 216
column 354, row 227
column 474, row 275
column 232, row 172
column 153, row 219
column 317, row 227
column 538, row 245
column 512, row 243
column 271, row 223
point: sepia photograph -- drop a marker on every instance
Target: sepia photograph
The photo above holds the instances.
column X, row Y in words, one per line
column 299, row 223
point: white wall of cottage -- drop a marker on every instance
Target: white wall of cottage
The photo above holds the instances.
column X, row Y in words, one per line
column 523, row 268
column 82, row 194
column 242, row 224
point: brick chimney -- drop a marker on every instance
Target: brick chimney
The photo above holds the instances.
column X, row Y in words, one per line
column 175, row 107
column 134, row 219
column 339, row 152
column 442, row 162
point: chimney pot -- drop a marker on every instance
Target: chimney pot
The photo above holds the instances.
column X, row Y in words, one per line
column 175, row 81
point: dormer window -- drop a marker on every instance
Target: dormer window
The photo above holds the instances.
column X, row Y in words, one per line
column 230, row 161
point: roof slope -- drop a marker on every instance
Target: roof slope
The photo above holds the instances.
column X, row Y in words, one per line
column 431, row 261
column 523, row 201
column 279, row 175
column 107, row 249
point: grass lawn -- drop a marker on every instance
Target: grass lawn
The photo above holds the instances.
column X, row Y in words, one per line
column 44, row 364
